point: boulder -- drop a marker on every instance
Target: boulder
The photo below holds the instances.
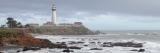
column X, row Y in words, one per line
column 68, row 51
column 74, row 47
column 57, row 42
column 128, row 44
column 141, row 50
column 31, row 48
column 96, row 49
column 80, row 42
column 107, row 45
column 134, row 50
column 99, row 42
column 63, row 43
column 18, row 51
column 85, row 45
column 97, row 32
column 5, row 40
column 92, row 42
column 60, row 46
column 72, row 42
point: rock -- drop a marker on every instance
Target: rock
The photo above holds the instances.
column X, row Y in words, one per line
column 99, row 42
column 141, row 50
column 57, row 42
column 46, row 44
column 134, row 50
column 68, row 51
column 91, row 42
column 85, row 45
column 27, row 40
column 97, row 32
column 64, row 38
column 107, row 45
column 80, row 42
column 60, row 46
column 63, row 43
column 31, row 48
column 96, row 49
column 18, row 51
column 5, row 40
column 128, row 44
column 74, row 47
column 72, row 42
column 1, row 43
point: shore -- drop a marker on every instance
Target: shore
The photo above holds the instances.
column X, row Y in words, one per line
column 11, row 47
column 15, row 47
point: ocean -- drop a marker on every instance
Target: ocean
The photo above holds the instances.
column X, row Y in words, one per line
column 149, row 38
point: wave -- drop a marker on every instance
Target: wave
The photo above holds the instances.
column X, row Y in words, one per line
column 149, row 46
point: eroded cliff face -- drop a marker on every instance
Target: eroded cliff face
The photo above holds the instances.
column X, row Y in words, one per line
column 22, row 38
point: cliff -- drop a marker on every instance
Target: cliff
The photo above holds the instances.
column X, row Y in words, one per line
column 62, row 30
column 21, row 37
column 17, row 37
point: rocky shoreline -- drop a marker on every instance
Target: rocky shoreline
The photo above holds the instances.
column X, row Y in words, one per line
column 45, row 43
column 27, row 41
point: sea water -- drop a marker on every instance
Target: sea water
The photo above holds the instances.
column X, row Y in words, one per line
column 150, row 40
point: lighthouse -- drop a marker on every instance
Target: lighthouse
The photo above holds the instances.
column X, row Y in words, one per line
column 53, row 14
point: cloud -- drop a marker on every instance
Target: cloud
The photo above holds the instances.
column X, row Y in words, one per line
column 95, row 7
column 133, row 10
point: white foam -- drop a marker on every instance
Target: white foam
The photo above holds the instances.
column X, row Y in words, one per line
column 150, row 47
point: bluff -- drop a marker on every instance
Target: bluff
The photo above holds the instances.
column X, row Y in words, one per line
column 61, row 30
column 17, row 37
column 22, row 37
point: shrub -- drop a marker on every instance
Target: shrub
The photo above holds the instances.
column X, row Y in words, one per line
column 1, row 35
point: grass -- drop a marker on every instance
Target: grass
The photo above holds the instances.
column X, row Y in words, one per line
column 15, row 32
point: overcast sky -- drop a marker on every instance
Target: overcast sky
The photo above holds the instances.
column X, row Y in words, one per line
column 94, row 14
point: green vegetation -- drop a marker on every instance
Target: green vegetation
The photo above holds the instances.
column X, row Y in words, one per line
column 60, row 30
column 15, row 32
column 11, row 23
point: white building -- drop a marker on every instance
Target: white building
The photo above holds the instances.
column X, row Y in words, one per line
column 49, row 24
column 53, row 14
column 78, row 24
column 65, row 24
column 33, row 25
column 53, row 19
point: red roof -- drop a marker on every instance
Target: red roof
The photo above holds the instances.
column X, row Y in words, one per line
column 78, row 23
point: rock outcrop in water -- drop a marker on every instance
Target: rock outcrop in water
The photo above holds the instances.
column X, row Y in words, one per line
column 127, row 44
column 98, row 32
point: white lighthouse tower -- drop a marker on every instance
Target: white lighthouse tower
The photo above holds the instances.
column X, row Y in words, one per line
column 53, row 14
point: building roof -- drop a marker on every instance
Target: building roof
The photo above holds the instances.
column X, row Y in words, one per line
column 48, row 23
column 65, row 24
column 33, row 23
column 77, row 22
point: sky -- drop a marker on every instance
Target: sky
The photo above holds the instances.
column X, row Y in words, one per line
column 94, row 14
